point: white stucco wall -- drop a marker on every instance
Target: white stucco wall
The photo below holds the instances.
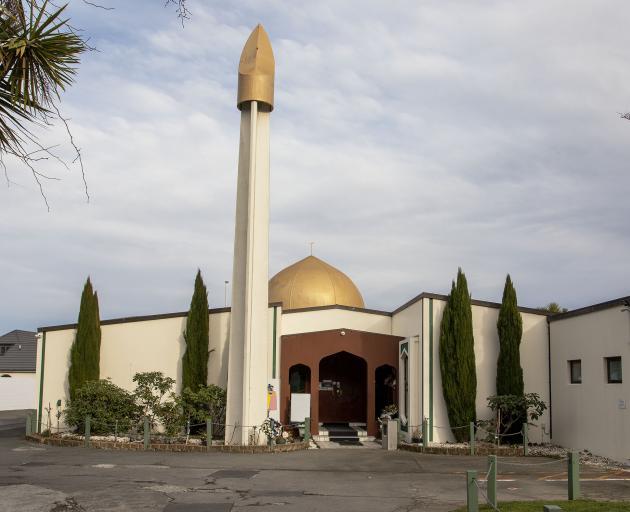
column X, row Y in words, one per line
column 326, row 319
column 18, row 391
column 131, row 347
column 407, row 323
column 590, row 415
column 534, row 362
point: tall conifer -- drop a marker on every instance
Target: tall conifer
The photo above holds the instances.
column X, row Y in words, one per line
column 510, row 327
column 457, row 358
column 85, row 354
column 195, row 359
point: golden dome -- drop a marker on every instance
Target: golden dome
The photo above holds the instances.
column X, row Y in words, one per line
column 312, row 282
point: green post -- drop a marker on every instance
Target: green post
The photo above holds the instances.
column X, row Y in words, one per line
column 471, row 437
column 208, row 433
column 29, row 425
column 147, row 433
column 574, row 475
column 88, row 427
column 492, row 480
column 525, row 439
column 307, row 429
column 425, row 433
column 472, row 504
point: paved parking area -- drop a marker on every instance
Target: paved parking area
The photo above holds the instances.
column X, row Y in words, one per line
column 44, row 478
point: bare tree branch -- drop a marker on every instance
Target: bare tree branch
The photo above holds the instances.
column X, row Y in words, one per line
column 77, row 151
column 625, row 116
column 98, row 6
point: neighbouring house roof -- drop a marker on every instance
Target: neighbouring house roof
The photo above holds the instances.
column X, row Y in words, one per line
column 18, row 351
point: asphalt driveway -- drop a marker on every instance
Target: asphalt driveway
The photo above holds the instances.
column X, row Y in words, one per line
column 43, row 478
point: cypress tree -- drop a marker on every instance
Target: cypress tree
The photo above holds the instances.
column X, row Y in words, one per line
column 510, row 327
column 85, row 353
column 457, row 358
column 196, row 335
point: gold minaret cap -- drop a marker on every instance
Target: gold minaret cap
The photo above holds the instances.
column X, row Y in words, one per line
column 256, row 71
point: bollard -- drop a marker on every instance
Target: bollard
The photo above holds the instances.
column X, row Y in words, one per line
column 573, row 475
column 147, row 433
column 471, row 437
column 525, row 439
column 29, row 421
column 35, row 424
column 88, row 427
column 116, row 431
column 492, row 480
column 307, row 429
column 208, row 433
column 397, row 432
column 425, row 433
column 472, row 504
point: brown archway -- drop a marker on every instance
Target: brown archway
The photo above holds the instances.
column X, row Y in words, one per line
column 343, row 389
column 308, row 349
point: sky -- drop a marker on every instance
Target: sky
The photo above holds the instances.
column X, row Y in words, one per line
column 409, row 138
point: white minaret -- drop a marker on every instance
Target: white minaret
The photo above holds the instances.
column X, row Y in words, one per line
column 249, row 333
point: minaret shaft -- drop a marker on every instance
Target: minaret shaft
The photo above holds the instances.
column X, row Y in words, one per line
column 248, row 348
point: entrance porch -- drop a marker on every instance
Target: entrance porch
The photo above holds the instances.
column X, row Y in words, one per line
column 350, row 376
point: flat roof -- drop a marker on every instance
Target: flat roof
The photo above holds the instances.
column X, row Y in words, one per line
column 621, row 301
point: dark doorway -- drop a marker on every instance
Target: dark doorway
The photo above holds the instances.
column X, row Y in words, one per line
column 300, row 378
column 342, row 389
column 385, row 388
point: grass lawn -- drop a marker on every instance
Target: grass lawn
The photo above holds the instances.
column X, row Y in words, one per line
column 568, row 506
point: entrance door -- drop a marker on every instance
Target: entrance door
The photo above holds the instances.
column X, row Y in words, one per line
column 342, row 389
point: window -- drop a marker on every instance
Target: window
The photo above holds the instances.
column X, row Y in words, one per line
column 575, row 371
column 613, row 369
column 4, row 348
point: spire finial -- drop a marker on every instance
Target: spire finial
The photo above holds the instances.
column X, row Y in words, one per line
column 311, row 244
column 256, row 71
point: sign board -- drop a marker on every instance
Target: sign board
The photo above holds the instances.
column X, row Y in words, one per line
column 300, row 407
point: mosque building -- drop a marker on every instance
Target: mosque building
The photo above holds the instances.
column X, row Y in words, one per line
column 307, row 337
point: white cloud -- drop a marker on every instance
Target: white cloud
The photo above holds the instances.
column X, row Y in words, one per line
column 406, row 141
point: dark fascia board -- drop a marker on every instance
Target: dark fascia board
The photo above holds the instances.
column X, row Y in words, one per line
column 143, row 318
column 590, row 309
column 337, row 306
column 474, row 302
column 339, row 329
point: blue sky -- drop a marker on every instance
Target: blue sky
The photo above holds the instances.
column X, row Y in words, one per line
column 408, row 139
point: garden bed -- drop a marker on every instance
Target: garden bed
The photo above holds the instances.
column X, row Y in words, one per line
column 464, row 449
column 126, row 444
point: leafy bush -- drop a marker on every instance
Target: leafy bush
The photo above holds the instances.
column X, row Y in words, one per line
column 207, row 402
column 149, row 393
column 511, row 409
column 105, row 403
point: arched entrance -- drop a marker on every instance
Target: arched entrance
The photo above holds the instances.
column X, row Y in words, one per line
column 300, row 378
column 342, row 389
column 384, row 388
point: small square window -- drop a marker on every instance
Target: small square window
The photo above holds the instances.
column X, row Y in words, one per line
column 575, row 371
column 613, row 369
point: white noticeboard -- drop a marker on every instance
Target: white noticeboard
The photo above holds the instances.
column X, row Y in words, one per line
column 300, row 407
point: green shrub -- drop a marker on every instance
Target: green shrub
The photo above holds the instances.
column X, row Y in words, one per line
column 207, row 402
column 151, row 387
column 105, row 403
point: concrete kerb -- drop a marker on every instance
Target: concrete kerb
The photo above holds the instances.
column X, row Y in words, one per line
column 163, row 447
